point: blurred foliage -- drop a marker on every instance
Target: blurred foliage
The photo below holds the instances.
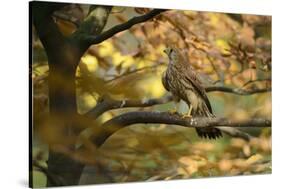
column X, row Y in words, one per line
column 162, row 152
column 226, row 49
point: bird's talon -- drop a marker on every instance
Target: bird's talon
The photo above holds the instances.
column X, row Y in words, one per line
column 186, row 116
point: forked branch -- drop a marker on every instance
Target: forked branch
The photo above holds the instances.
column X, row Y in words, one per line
column 89, row 40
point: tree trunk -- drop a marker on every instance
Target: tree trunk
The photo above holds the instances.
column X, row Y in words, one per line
column 62, row 104
column 63, row 58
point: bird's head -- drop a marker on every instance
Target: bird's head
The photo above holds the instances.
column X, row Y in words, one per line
column 172, row 53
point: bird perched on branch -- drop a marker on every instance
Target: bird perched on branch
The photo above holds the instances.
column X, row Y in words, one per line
column 183, row 82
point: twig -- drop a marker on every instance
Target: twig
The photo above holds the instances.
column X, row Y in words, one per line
column 233, row 132
column 256, row 80
column 236, row 90
column 153, row 67
column 214, row 67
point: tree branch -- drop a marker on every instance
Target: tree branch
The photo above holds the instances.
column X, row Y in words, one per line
column 95, row 21
column 236, row 90
column 68, row 18
column 107, row 104
column 90, row 40
column 93, row 24
column 256, row 80
column 146, row 117
column 233, row 132
column 47, row 30
column 168, row 118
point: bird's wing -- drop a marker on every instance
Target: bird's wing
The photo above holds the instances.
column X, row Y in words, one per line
column 165, row 82
column 196, row 83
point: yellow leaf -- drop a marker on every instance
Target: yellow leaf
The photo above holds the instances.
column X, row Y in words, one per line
column 90, row 62
column 223, row 46
column 254, row 159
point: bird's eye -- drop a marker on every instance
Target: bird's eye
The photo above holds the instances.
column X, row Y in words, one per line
column 168, row 51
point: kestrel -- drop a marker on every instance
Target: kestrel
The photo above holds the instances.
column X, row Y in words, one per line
column 183, row 82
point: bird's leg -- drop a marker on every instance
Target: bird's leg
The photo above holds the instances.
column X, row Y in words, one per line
column 176, row 106
column 190, row 110
column 188, row 115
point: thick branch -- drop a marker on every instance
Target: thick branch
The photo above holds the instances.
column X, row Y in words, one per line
column 145, row 117
column 90, row 40
column 93, row 24
column 175, row 119
column 47, row 30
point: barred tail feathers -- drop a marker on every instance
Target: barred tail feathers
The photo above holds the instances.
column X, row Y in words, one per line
column 208, row 132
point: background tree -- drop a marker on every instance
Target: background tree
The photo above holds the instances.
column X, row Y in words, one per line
column 93, row 76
